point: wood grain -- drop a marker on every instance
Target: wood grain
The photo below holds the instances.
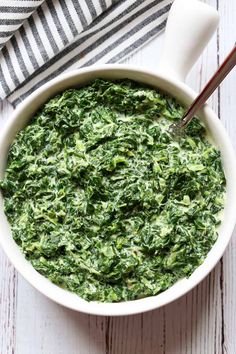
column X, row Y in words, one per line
column 227, row 36
column 202, row 322
column 8, row 288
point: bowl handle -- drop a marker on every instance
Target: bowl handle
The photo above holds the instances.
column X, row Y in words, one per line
column 190, row 25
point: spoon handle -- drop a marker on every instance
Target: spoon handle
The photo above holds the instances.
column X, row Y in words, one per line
column 210, row 87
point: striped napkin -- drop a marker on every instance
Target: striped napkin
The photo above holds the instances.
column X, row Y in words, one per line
column 40, row 39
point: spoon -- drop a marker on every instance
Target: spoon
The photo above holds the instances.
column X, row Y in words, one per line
column 210, row 87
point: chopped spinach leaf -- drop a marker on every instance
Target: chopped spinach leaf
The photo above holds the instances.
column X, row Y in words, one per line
column 103, row 201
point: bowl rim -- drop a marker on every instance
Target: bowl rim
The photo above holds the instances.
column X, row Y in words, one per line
column 71, row 300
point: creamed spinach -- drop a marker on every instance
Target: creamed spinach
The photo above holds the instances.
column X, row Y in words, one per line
column 103, row 201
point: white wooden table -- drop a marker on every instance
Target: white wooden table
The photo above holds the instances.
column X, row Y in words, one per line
column 202, row 322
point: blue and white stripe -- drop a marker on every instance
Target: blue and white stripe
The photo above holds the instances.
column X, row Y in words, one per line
column 12, row 14
column 64, row 34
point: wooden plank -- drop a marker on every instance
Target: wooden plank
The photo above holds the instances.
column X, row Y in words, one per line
column 8, row 304
column 45, row 327
column 227, row 35
column 8, row 287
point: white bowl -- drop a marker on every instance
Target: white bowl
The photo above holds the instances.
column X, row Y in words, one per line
column 185, row 95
